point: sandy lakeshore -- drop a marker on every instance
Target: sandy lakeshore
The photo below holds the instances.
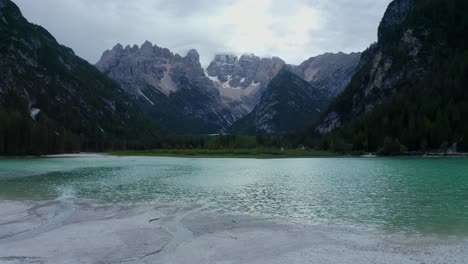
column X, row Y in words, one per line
column 84, row 232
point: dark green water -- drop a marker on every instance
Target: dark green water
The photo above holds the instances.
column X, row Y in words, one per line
column 398, row 194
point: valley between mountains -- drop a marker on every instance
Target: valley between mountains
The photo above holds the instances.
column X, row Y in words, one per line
column 187, row 99
column 406, row 93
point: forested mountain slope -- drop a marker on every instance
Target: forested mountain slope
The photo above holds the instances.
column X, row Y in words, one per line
column 288, row 105
column 52, row 101
column 411, row 87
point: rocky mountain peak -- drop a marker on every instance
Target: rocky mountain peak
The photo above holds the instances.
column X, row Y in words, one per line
column 286, row 74
column 12, row 10
column 147, row 46
column 118, row 48
column 163, row 81
column 241, row 80
column 222, row 66
column 225, row 59
column 394, row 61
column 241, row 72
column 249, row 55
column 147, row 62
column 331, row 72
column 193, row 56
column 110, row 56
column 395, row 14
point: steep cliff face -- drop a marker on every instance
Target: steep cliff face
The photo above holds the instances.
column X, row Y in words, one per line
column 401, row 57
column 173, row 89
column 182, row 97
column 288, row 105
column 244, row 84
column 45, row 80
column 133, row 65
column 241, row 80
column 412, row 84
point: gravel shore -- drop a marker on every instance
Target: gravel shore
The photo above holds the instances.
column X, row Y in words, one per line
column 70, row 231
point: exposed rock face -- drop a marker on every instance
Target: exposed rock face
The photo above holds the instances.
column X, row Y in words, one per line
column 244, row 71
column 222, row 66
column 395, row 14
column 288, row 105
column 329, row 72
column 41, row 78
column 399, row 58
column 131, row 65
column 172, row 88
column 245, row 83
column 241, row 81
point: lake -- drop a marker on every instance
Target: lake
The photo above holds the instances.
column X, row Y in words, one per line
column 414, row 195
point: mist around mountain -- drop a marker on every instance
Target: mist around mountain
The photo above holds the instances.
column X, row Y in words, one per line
column 186, row 99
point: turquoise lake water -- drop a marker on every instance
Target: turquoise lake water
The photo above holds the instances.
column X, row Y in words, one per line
column 424, row 195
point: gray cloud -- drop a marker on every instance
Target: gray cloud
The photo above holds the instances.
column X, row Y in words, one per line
column 293, row 30
column 192, row 8
column 350, row 25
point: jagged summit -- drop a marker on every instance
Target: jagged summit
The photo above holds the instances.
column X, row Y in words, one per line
column 150, row 49
column 241, row 80
column 173, row 88
column 233, row 84
column 193, row 55
column 147, row 44
column 147, row 47
column 118, row 47
column 395, row 15
column 397, row 42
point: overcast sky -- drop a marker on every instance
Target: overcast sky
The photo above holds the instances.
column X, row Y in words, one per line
column 291, row 29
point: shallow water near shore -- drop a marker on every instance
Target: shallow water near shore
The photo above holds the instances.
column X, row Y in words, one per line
column 415, row 195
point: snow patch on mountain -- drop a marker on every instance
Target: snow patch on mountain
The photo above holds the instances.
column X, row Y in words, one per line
column 35, row 112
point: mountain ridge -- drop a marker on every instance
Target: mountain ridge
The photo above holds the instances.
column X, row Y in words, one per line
column 410, row 86
column 234, row 85
column 171, row 88
column 50, row 95
column 288, row 105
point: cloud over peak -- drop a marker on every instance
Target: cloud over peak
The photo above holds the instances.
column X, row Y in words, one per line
column 293, row 30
